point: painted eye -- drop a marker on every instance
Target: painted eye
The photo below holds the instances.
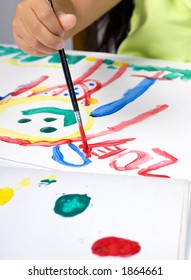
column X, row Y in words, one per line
column 25, row 120
column 48, row 129
column 50, row 119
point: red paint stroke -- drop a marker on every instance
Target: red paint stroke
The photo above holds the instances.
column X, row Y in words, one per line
column 108, row 152
column 85, row 147
column 38, row 143
column 82, row 80
column 170, row 160
column 86, row 74
column 125, row 124
column 150, row 77
column 115, row 246
column 63, row 87
column 119, row 73
column 141, row 158
column 29, row 86
column 88, row 92
column 155, row 76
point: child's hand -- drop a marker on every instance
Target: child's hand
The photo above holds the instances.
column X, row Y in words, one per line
column 37, row 29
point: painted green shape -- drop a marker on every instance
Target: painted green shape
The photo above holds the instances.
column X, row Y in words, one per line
column 183, row 74
column 111, row 67
column 50, row 119
column 31, row 58
column 71, row 205
column 24, row 120
column 48, row 129
column 172, row 76
column 48, row 181
column 69, row 116
column 8, row 51
column 73, row 59
column 54, row 58
column 108, row 61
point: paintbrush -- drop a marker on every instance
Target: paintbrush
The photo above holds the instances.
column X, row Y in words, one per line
column 72, row 94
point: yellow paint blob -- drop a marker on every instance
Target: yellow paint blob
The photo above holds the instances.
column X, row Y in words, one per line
column 91, row 58
column 119, row 63
column 51, row 177
column 25, row 182
column 94, row 101
column 6, row 194
column 37, row 89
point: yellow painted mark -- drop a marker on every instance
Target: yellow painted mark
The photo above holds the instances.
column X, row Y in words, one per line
column 25, row 182
column 91, row 58
column 6, row 194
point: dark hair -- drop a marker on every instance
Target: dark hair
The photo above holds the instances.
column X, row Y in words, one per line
column 106, row 34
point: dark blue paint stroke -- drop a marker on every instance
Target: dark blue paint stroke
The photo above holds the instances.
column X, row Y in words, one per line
column 59, row 157
column 6, row 96
column 129, row 96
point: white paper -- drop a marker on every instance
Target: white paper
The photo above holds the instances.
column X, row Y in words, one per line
column 144, row 210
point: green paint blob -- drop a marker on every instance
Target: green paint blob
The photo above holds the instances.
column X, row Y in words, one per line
column 108, row 61
column 48, row 129
column 50, row 119
column 46, row 182
column 111, row 67
column 174, row 73
column 71, row 204
column 24, row 120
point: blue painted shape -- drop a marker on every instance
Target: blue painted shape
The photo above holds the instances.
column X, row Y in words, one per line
column 129, row 96
column 59, row 157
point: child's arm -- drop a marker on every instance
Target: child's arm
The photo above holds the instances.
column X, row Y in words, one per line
column 38, row 31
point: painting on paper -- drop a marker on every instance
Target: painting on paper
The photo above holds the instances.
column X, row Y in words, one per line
column 136, row 113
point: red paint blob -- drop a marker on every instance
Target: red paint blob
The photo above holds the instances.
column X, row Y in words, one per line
column 115, row 246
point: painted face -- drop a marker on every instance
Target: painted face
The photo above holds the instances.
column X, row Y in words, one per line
column 43, row 118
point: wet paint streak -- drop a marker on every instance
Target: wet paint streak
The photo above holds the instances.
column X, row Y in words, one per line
column 132, row 121
column 115, row 246
column 71, row 205
column 185, row 74
column 6, row 194
column 85, row 75
column 25, row 182
column 19, row 55
column 141, row 158
column 108, row 152
column 169, row 159
column 69, row 116
column 47, row 181
column 59, row 157
column 24, row 120
column 48, row 129
column 29, row 86
column 50, row 119
column 128, row 97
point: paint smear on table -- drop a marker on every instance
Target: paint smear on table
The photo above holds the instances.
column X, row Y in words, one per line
column 6, row 194
column 115, row 246
column 71, row 204
column 47, row 181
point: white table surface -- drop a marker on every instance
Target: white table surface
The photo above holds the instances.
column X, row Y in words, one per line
column 6, row 163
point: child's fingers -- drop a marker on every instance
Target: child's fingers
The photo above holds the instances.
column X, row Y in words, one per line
column 27, row 48
column 28, row 43
column 40, row 34
column 48, row 18
column 67, row 21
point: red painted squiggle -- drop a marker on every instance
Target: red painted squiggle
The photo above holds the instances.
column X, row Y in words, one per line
column 168, row 161
column 29, row 86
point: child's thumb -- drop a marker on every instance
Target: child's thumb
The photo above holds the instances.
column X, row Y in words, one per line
column 67, row 21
